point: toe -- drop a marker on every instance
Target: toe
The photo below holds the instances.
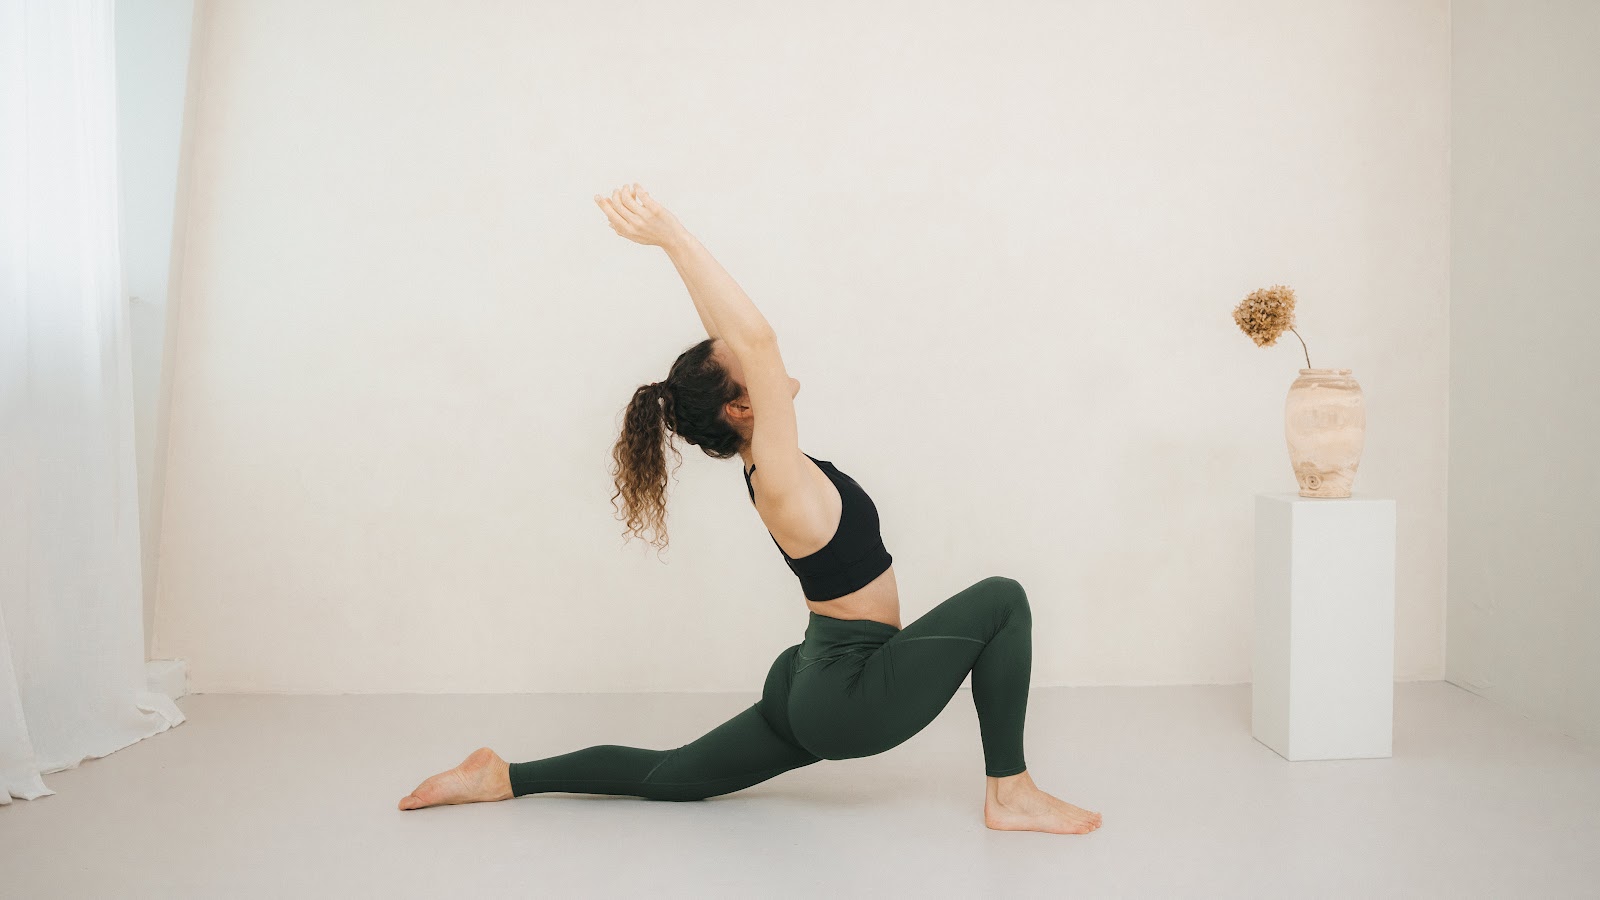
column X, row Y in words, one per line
column 427, row 793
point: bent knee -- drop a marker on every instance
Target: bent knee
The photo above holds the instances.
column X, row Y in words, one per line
column 1010, row 596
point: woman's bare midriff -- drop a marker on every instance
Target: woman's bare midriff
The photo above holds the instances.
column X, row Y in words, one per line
column 878, row 601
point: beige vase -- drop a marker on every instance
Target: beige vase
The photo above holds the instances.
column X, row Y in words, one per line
column 1325, row 422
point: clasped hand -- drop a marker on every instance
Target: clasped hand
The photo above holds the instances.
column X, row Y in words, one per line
column 636, row 215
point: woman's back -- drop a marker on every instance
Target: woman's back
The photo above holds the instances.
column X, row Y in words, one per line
column 838, row 554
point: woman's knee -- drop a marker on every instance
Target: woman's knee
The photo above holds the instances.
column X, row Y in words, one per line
column 1009, row 595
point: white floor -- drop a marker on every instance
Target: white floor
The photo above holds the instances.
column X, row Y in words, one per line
column 284, row 795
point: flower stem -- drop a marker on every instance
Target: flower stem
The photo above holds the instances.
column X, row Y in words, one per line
column 1303, row 348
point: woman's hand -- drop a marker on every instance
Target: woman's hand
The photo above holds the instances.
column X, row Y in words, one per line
column 637, row 216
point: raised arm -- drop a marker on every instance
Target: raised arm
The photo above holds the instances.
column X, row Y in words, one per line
column 729, row 315
column 725, row 310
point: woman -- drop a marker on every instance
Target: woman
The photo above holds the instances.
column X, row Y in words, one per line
column 858, row 684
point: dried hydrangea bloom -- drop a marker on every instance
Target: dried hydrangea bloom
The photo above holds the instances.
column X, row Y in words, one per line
column 1265, row 314
column 1268, row 313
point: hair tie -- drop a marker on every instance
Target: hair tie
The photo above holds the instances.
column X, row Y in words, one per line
column 663, row 393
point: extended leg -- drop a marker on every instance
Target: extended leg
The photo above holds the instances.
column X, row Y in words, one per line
column 752, row 747
column 735, row 755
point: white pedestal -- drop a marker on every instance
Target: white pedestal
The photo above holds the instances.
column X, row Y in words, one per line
column 1322, row 674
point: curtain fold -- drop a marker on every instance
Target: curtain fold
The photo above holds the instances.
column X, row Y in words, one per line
column 72, row 684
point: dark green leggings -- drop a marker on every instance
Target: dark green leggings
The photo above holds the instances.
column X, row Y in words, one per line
column 851, row 688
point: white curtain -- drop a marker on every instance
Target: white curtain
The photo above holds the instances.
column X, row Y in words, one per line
column 72, row 683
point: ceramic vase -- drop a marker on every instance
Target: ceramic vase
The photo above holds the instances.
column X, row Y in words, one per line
column 1325, row 422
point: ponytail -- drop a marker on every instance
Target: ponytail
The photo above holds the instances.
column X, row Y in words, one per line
column 640, row 475
column 689, row 404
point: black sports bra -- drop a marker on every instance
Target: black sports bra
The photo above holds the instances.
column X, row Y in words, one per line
column 854, row 556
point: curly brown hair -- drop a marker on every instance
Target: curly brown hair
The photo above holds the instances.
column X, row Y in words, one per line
column 689, row 404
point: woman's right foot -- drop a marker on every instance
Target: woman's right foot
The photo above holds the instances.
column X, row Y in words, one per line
column 1015, row 803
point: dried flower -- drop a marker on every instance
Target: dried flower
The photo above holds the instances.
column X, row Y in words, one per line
column 1265, row 314
column 1268, row 313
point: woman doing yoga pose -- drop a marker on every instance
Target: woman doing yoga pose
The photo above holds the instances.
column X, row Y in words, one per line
column 858, row 683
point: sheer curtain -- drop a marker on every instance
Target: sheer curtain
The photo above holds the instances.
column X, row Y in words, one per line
column 72, row 681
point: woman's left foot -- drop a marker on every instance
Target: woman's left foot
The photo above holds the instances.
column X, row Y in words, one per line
column 1015, row 803
column 481, row 776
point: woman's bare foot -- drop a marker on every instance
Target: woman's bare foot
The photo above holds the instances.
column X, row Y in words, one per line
column 483, row 775
column 1015, row 803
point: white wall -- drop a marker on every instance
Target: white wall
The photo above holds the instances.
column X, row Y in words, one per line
column 152, row 46
column 1001, row 244
column 1525, row 418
